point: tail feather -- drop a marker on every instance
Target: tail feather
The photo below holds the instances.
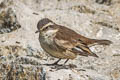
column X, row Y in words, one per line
column 102, row 42
column 89, row 41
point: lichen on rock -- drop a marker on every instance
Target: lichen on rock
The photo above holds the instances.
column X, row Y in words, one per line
column 8, row 21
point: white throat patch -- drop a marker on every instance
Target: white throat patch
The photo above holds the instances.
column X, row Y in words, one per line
column 50, row 32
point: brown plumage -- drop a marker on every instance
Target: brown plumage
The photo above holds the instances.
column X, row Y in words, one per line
column 64, row 43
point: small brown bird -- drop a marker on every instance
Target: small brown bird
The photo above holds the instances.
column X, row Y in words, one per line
column 64, row 43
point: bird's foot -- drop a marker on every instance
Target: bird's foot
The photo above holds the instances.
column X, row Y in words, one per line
column 53, row 64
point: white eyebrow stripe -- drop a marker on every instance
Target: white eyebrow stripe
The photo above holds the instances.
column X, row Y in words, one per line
column 50, row 23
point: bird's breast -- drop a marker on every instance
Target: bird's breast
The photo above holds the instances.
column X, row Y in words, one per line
column 48, row 45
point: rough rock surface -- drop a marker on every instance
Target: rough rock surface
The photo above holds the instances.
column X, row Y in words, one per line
column 8, row 21
column 21, row 57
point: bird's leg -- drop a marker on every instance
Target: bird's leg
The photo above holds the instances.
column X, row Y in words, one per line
column 66, row 61
column 55, row 63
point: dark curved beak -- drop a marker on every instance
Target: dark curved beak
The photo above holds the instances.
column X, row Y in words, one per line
column 37, row 31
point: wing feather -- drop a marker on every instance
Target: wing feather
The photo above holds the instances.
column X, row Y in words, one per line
column 71, row 42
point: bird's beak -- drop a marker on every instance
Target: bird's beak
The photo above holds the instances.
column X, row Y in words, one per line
column 37, row 31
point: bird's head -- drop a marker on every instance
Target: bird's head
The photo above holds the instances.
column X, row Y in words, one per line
column 46, row 25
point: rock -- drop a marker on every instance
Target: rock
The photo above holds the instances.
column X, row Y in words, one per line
column 104, row 1
column 115, row 73
column 15, row 71
column 8, row 21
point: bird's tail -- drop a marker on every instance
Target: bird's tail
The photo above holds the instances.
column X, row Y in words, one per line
column 101, row 42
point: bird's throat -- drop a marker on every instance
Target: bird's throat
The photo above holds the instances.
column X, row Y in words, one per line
column 50, row 33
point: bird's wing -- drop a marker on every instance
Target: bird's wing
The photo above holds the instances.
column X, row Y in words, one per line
column 77, row 48
column 64, row 40
column 63, row 43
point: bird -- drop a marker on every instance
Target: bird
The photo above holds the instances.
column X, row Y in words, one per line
column 64, row 43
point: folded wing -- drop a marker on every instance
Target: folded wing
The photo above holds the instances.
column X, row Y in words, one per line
column 72, row 44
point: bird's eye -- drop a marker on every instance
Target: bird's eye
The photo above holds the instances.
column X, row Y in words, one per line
column 45, row 28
